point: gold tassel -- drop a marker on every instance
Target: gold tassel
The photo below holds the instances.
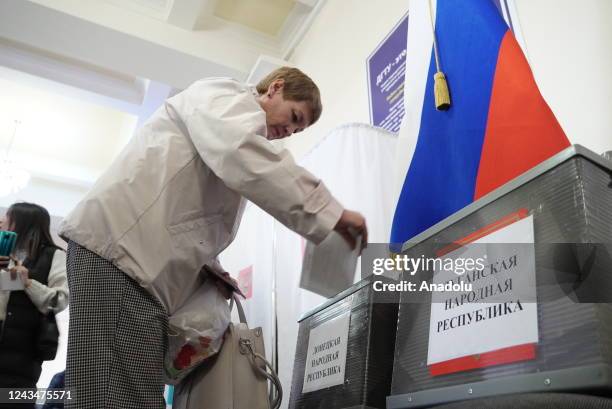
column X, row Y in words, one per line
column 441, row 93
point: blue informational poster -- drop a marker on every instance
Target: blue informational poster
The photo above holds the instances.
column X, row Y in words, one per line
column 386, row 68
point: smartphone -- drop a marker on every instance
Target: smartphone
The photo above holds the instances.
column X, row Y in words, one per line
column 7, row 242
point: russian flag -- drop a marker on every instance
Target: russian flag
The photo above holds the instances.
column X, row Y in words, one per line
column 497, row 127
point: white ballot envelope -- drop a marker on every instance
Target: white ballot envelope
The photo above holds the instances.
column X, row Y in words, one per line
column 10, row 285
column 329, row 268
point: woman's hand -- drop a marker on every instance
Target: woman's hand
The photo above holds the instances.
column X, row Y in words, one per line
column 22, row 272
column 350, row 226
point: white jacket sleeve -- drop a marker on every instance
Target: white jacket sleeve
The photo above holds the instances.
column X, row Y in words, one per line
column 228, row 127
column 54, row 296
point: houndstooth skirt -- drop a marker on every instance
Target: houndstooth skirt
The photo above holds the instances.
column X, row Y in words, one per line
column 116, row 338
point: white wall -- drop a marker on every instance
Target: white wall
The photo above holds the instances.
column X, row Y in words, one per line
column 62, row 136
column 333, row 52
column 58, row 198
column 63, row 141
column 569, row 43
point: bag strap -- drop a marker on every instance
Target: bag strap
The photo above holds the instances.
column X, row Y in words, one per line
column 246, row 348
column 241, row 315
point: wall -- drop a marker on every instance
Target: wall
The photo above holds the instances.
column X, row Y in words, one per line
column 569, row 45
column 58, row 198
column 60, row 135
column 333, row 52
column 64, row 141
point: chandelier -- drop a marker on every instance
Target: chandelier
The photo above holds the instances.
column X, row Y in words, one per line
column 12, row 177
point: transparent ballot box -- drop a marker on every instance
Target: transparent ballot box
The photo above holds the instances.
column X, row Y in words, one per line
column 550, row 231
column 344, row 353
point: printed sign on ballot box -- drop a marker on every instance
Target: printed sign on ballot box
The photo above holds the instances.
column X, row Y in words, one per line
column 326, row 357
column 498, row 316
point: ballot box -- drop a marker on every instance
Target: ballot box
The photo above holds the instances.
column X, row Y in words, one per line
column 466, row 346
column 344, row 353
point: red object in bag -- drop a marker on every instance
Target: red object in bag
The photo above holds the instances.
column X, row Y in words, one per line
column 183, row 359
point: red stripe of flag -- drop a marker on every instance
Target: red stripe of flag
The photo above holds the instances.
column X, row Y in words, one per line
column 521, row 129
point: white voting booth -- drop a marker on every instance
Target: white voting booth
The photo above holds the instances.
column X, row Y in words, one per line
column 357, row 163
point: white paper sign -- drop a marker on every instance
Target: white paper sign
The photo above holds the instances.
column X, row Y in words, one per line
column 461, row 325
column 326, row 358
column 8, row 284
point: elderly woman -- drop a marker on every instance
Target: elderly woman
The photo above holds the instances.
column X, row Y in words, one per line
column 170, row 203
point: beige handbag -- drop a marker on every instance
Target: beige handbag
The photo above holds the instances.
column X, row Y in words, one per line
column 236, row 378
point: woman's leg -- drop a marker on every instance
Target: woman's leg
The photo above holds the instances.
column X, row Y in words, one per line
column 116, row 339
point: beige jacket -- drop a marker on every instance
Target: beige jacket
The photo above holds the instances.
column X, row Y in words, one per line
column 173, row 199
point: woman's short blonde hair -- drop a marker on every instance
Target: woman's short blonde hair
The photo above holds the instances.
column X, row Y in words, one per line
column 297, row 87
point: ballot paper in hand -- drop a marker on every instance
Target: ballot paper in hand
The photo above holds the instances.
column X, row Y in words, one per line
column 8, row 284
column 329, row 268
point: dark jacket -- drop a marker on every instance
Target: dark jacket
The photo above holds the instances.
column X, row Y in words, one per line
column 19, row 364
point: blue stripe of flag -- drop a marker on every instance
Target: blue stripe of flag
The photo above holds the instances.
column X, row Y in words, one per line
column 442, row 175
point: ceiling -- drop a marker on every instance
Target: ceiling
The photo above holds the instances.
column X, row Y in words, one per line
column 266, row 16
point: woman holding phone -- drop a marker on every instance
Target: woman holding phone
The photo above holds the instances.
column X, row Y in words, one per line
column 41, row 266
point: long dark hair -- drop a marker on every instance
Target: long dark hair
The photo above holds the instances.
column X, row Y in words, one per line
column 31, row 222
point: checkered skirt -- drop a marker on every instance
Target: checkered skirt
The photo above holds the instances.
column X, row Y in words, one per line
column 116, row 338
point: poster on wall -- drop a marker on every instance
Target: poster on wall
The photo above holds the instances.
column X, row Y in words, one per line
column 386, row 68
